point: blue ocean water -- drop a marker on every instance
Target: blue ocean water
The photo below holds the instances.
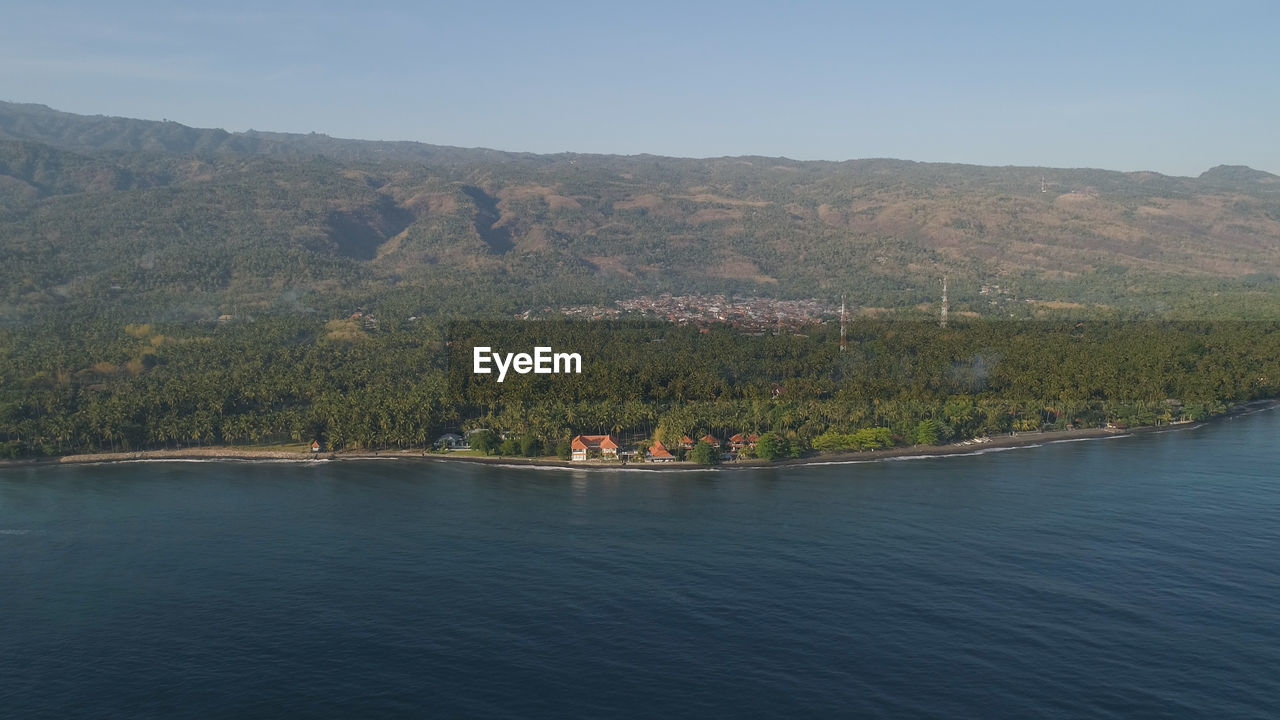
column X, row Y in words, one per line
column 1134, row 577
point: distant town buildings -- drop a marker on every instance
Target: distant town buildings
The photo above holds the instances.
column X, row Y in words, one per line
column 750, row 314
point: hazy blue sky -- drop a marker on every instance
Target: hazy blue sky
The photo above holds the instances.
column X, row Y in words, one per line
column 1161, row 86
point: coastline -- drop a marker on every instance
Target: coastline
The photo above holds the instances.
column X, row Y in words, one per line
column 977, row 446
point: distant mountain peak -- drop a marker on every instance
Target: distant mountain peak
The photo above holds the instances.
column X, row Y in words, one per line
column 1237, row 173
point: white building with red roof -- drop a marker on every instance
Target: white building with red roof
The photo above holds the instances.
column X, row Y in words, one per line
column 582, row 445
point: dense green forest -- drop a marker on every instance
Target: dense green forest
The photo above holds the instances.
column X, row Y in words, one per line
column 356, row 385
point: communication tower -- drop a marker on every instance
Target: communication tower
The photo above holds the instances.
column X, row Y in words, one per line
column 844, row 343
column 942, row 320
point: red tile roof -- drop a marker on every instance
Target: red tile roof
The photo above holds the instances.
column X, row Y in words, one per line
column 658, row 450
column 584, row 442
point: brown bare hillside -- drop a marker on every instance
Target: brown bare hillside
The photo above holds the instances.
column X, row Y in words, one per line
column 85, row 217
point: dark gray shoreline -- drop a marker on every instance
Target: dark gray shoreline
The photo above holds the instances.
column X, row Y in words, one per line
column 971, row 447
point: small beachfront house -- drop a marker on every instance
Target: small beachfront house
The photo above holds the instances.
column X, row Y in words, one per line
column 451, row 441
column 659, row 453
column 581, row 446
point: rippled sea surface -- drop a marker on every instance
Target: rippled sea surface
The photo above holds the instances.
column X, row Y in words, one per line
column 1133, row 577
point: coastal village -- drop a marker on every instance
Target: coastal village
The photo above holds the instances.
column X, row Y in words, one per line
column 750, row 314
column 608, row 448
column 605, row 447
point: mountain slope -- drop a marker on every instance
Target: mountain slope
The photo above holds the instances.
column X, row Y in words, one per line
column 112, row 212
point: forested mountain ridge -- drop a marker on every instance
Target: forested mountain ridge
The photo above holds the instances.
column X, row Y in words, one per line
column 149, row 217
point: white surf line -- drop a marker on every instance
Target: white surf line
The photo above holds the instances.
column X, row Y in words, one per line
column 262, row 461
